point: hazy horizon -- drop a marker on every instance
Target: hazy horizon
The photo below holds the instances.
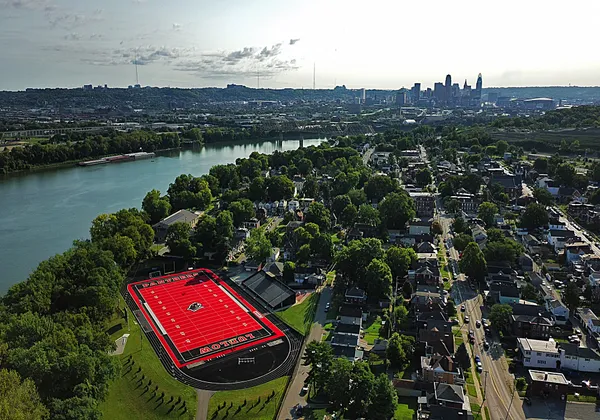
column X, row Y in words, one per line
column 195, row 44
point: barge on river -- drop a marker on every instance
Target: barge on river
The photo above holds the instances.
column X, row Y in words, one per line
column 120, row 158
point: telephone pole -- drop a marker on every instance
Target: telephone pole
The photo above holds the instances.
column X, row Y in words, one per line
column 314, row 75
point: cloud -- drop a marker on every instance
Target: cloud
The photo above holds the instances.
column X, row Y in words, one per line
column 236, row 56
column 73, row 36
column 72, row 20
column 294, row 40
column 176, row 26
column 27, row 5
column 267, row 52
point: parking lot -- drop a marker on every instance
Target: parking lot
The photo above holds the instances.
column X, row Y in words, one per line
column 541, row 409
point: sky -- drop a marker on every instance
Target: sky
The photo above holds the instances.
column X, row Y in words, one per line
column 371, row 44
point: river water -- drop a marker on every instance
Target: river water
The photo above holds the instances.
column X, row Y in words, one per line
column 42, row 212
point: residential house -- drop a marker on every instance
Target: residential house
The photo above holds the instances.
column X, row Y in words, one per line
column 419, row 226
column 442, row 369
column 547, row 384
column 449, row 396
column 575, row 250
column 426, row 248
column 567, row 194
column 275, row 268
column 512, row 185
column 427, row 272
column 479, row 235
column 293, row 205
column 468, row 202
column 252, row 223
column 350, row 314
column 424, row 203
column 531, row 326
column 432, row 331
column 543, row 354
column 547, row 354
column 181, row 216
column 557, row 238
column 560, row 313
column 355, row 295
column 504, row 293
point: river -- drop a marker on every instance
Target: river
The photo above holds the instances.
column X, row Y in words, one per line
column 42, row 212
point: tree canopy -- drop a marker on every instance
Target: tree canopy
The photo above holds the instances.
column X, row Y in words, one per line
column 397, row 209
column 258, row 247
column 473, row 263
column 487, row 211
column 535, row 216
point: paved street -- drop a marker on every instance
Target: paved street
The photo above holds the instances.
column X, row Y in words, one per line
column 293, row 396
column 497, row 383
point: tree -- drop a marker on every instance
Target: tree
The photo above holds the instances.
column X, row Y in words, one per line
column 257, row 189
column 528, row 292
column 319, row 214
column 521, row 384
column 156, row 206
column 258, row 247
column 541, row 165
column 289, row 268
column 459, row 225
column 338, row 383
column 358, row 197
column 501, row 317
column 571, row 295
column 436, row 228
column 407, row 289
column 348, row 216
column 400, row 260
column 122, row 248
column 423, row 177
column 279, row 187
column 305, row 166
column 189, row 192
column 400, row 350
column 319, row 356
column 321, row 246
column 535, row 216
column 504, row 250
column 565, row 172
column 369, row 215
column 543, row 196
column 353, row 260
column 487, row 212
column 310, row 189
column 178, row 240
column 379, row 186
column 401, row 317
column 462, row 357
column 453, row 206
column 19, row 400
column 378, row 279
column 360, row 389
column 473, row 262
column 304, row 253
column 501, row 147
column 339, row 203
column 242, row 211
column 451, row 308
column 461, row 241
column 384, row 399
column 396, row 209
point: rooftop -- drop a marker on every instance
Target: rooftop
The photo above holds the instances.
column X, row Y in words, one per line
column 529, row 344
column 548, row 377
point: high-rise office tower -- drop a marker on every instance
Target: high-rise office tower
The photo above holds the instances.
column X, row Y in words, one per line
column 479, row 86
column 439, row 92
column 416, row 93
column 448, row 89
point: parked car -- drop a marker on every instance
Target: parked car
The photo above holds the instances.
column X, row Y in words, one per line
column 578, row 332
column 466, row 319
column 486, row 345
column 477, row 359
column 304, row 390
column 477, row 323
column 463, row 308
column 484, row 322
column 479, row 367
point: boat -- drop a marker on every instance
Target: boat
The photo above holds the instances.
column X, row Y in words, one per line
column 119, row 158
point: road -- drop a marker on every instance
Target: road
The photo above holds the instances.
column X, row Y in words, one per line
column 502, row 400
column 582, row 233
column 293, row 397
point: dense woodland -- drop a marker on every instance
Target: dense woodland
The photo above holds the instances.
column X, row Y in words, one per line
column 80, row 147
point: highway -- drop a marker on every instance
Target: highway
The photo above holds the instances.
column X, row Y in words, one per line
column 500, row 397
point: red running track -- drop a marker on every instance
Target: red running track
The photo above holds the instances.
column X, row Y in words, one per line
column 224, row 317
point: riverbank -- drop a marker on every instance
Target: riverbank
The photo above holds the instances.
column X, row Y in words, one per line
column 44, row 210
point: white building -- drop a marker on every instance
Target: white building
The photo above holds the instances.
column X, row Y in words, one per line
column 542, row 354
column 559, row 311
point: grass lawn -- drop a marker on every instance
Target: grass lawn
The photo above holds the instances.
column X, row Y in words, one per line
column 406, row 408
column 253, row 409
column 476, row 410
column 125, row 399
column 300, row 316
column 314, row 413
column 582, row 398
column 471, row 390
column 372, row 331
column 487, row 412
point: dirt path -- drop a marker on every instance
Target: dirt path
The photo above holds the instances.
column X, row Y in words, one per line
column 203, row 399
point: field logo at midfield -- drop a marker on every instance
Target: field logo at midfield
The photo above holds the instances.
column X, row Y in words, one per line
column 195, row 306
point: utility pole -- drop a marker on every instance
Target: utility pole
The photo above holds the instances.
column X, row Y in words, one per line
column 512, row 389
column 314, row 75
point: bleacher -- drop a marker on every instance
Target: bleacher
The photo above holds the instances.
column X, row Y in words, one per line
column 270, row 290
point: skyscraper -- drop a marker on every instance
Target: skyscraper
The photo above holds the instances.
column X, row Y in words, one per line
column 479, row 86
column 416, row 93
column 439, row 92
column 448, row 89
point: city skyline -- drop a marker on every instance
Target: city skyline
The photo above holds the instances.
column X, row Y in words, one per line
column 61, row 43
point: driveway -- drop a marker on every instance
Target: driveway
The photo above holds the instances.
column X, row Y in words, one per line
column 293, row 397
